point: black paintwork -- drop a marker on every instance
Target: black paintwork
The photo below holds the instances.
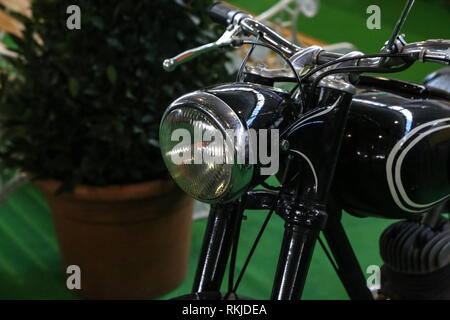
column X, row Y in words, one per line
column 382, row 112
column 439, row 81
column 377, row 121
column 258, row 106
column 216, row 248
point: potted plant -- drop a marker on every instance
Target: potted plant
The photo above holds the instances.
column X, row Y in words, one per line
column 81, row 114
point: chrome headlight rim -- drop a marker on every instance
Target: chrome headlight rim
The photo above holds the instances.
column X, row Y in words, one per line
column 224, row 117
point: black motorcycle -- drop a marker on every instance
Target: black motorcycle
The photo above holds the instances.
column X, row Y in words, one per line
column 369, row 145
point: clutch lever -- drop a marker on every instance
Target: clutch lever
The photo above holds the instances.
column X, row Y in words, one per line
column 225, row 40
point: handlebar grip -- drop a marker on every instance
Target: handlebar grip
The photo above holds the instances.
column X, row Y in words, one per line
column 221, row 13
column 436, row 56
column 326, row 56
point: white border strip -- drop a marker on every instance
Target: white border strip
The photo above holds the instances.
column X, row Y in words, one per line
column 390, row 160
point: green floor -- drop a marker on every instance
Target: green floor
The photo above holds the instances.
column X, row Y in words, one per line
column 30, row 266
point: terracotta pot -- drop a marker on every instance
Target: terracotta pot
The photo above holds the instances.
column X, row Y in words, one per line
column 129, row 241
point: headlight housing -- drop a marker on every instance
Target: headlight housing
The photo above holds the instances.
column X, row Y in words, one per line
column 206, row 180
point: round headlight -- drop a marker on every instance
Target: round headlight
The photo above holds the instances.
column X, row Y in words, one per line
column 200, row 138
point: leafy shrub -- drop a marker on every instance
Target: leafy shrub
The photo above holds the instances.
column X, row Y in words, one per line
column 85, row 105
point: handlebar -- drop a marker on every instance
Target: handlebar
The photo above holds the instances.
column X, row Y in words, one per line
column 227, row 16
column 436, row 51
column 221, row 13
column 239, row 22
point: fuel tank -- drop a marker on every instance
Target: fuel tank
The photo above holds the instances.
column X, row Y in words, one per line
column 395, row 154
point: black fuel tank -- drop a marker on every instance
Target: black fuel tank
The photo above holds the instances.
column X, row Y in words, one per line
column 395, row 156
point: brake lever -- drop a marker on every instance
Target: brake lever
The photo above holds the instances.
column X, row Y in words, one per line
column 225, row 40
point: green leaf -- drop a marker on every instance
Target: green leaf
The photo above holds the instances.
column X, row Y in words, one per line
column 74, row 87
column 102, row 128
column 111, row 73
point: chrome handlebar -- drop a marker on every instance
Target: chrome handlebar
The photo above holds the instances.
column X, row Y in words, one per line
column 437, row 51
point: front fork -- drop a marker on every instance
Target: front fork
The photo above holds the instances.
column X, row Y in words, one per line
column 217, row 242
column 302, row 228
column 303, row 224
column 301, row 233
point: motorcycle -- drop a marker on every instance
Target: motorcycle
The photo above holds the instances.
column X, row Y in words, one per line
column 369, row 145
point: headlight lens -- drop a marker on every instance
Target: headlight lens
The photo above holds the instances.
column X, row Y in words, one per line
column 205, row 180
